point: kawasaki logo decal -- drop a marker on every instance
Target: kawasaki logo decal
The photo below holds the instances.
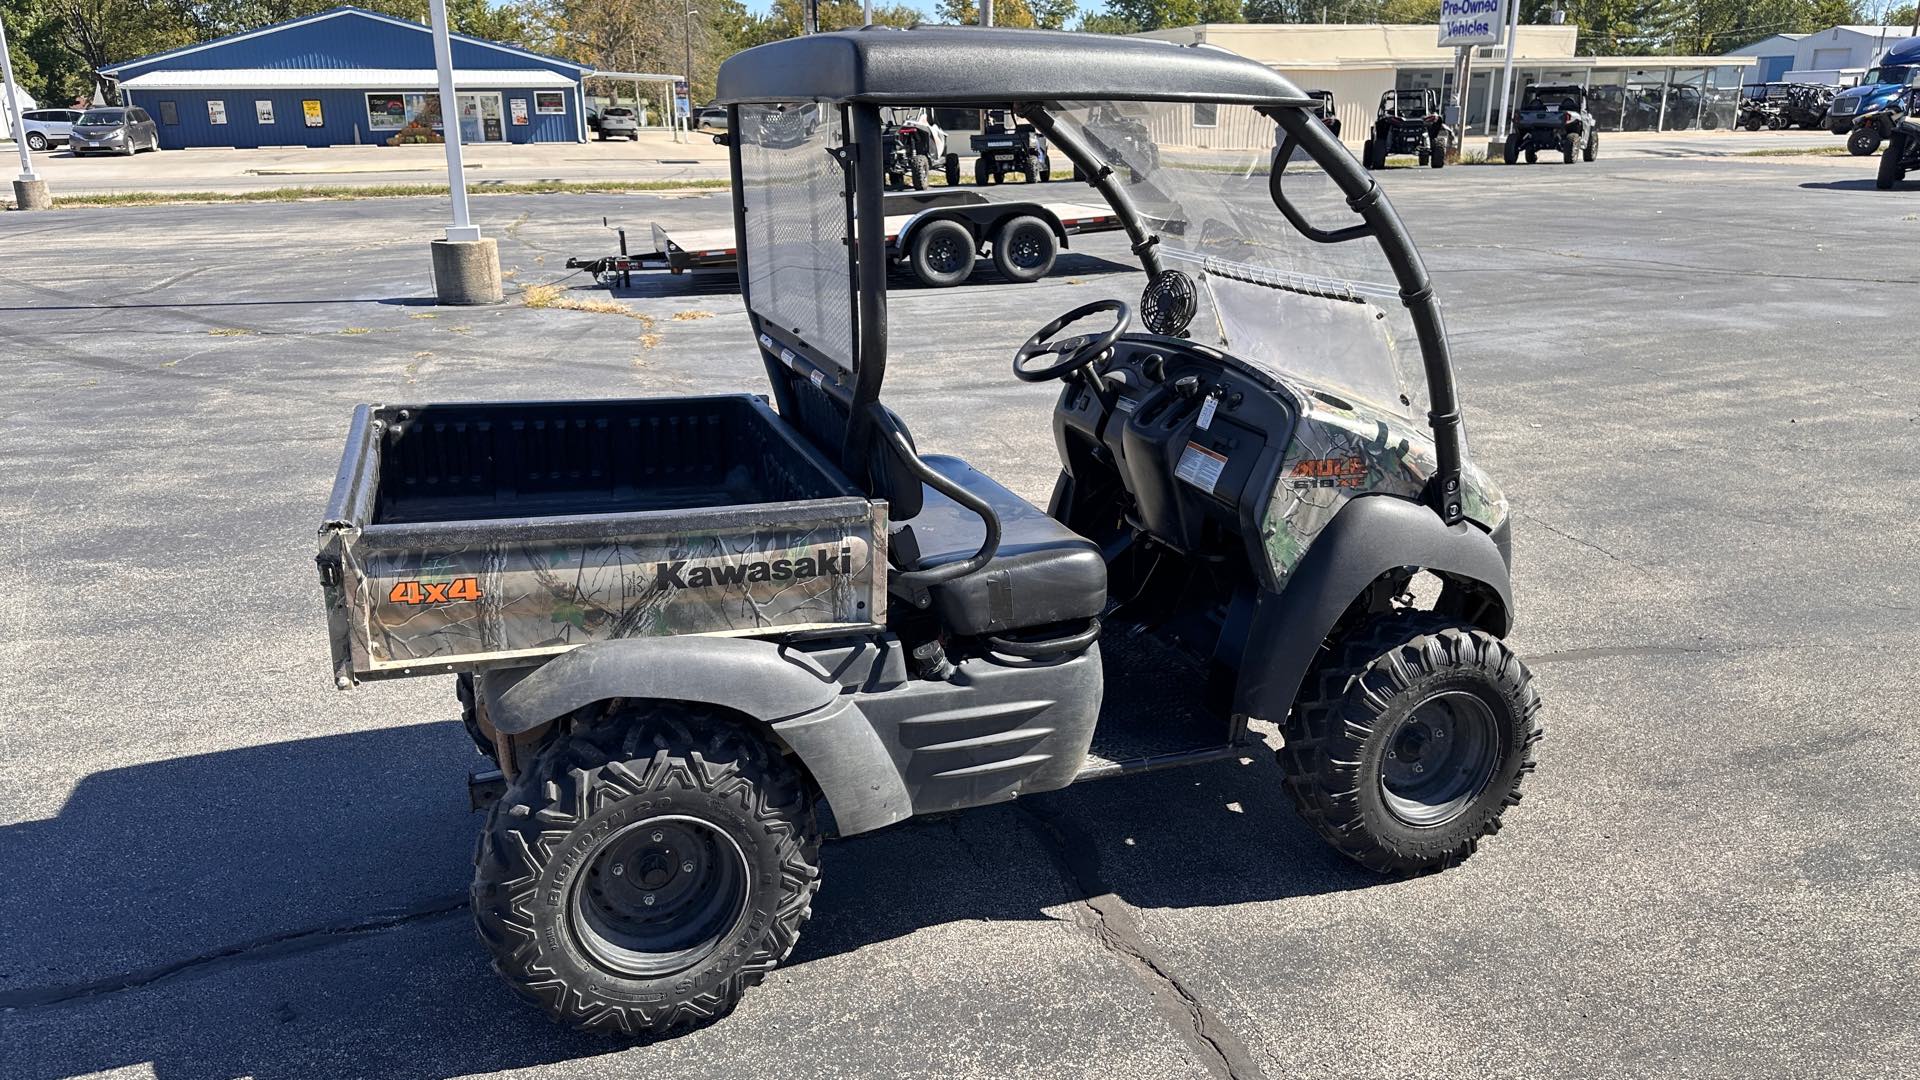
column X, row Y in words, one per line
column 686, row 574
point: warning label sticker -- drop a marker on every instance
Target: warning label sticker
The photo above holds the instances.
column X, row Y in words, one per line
column 1200, row 467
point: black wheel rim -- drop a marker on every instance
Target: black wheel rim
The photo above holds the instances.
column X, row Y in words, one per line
column 1026, row 251
column 944, row 254
column 659, row 896
column 1439, row 758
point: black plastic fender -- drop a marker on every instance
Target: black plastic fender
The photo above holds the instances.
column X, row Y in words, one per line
column 783, row 688
column 1370, row 536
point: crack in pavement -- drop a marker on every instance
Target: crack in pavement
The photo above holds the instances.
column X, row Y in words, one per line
column 1110, row 921
column 272, row 946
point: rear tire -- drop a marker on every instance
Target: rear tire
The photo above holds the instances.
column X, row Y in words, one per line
column 1893, row 162
column 1366, row 156
column 1412, row 741
column 1024, row 249
column 1533, row 155
column 1592, row 150
column 980, row 171
column 943, row 253
column 581, row 885
column 1569, row 150
column 920, row 166
column 953, row 170
column 1438, row 159
column 1512, row 149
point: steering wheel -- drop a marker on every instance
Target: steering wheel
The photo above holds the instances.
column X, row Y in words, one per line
column 1075, row 352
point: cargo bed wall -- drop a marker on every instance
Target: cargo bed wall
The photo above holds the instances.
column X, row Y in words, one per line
column 744, row 531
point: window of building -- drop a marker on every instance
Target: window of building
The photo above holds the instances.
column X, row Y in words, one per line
column 391, row 112
column 169, row 112
column 1206, row 114
column 549, row 102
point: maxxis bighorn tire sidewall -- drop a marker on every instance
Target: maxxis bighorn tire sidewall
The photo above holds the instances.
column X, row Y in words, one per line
column 1893, row 162
column 1338, row 736
column 542, row 837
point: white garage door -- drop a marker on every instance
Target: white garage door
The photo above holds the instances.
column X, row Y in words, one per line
column 1832, row 58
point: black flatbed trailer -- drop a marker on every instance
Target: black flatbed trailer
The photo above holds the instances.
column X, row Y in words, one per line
column 909, row 216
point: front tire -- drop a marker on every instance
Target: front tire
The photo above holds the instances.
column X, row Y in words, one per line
column 1893, row 162
column 1412, row 741
column 644, row 871
column 1864, row 140
column 36, row 141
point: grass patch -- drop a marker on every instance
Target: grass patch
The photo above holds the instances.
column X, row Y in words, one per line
column 231, row 331
column 1796, row 151
column 357, row 330
column 556, row 296
column 385, row 191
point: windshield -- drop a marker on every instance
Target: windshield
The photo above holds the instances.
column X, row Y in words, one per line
column 102, row 118
column 1895, row 74
column 799, row 263
column 1326, row 314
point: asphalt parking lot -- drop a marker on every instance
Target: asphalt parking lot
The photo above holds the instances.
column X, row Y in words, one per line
column 1688, row 375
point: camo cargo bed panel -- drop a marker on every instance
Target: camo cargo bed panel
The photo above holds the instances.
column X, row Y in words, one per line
column 462, row 536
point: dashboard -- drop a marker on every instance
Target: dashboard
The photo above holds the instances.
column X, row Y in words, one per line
column 1195, row 437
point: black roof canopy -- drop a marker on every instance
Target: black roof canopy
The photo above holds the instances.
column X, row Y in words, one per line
column 964, row 65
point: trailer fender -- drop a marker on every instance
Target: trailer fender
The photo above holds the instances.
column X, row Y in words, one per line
column 1369, row 537
column 783, row 688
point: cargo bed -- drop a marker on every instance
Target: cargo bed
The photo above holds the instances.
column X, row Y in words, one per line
column 461, row 536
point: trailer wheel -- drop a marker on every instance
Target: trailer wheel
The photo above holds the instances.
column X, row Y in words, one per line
column 646, row 870
column 1592, row 150
column 1412, row 741
column 1893, row 162
column 943, row 253
column 1864, row 140
column 1024, row 249
column 953, row 170
column 920, row 166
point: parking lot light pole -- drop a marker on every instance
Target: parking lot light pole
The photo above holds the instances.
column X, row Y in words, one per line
column 29, row 191
column 1506, row 76
column 466, row 266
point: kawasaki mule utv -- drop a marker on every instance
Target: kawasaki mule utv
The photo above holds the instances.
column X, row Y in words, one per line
column 692, row 633
column 1902, row 154
column 1009, row 147
column 1553, row 117
column 1409, row 122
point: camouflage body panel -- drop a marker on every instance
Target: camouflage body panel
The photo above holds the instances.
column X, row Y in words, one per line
column 1344, row 448
column 411, row 605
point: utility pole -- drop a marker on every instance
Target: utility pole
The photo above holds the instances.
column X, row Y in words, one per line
column 986, row 12
column 29, row 191
column 866, row 12
column 686, row 34
column 466, row 267
column 1506, row 74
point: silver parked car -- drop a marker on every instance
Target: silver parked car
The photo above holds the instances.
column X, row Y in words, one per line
column 47, row 127
column 113, row 130
column 619, row 122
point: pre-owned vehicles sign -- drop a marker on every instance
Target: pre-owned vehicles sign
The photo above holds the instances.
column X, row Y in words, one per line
column 1472, row 22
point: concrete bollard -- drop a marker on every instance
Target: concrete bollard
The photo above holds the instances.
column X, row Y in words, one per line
column 467, row 271
column 31, row 195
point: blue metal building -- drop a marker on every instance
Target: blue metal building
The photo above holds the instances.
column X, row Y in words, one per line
column 348, row 76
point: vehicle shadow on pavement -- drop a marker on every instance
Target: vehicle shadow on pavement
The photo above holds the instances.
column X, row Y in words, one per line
column 297, row 909
column 1860, row 184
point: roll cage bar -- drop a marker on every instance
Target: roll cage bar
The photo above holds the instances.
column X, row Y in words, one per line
column 868, row 422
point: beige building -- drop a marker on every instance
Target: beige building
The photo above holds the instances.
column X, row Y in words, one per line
column 1359, row 62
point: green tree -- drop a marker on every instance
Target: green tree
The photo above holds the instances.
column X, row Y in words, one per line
column 1156, row 14
column 1045, row 14
column 1103, row 22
